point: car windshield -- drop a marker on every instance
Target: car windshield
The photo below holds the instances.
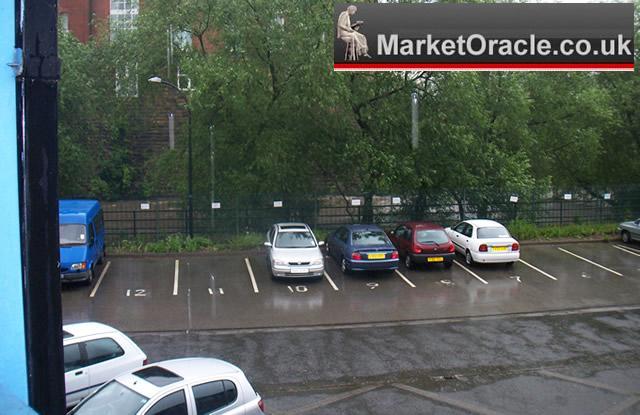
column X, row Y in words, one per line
column 369, row 238
column 73, row 234
column 493, row 232
column 112, row 399
column 295, row 240
column 431, row 237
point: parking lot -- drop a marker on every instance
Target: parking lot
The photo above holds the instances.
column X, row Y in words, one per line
column 235, row 290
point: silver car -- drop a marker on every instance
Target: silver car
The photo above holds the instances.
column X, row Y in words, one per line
column 179, row 387
column 293, row 251
column 630, row 231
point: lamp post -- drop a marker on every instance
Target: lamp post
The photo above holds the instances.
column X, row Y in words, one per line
column 158, row 80
column 415, row 132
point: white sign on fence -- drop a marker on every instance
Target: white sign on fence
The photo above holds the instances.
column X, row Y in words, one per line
column 215, row 205
column 396, row 201
column 277, row 203
column 607, row 196
column 513, row 199
column 145, row 206
column 356, row 202
column 567, row 196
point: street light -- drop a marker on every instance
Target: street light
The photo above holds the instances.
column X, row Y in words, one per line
column 415, row 132
column 158, row 80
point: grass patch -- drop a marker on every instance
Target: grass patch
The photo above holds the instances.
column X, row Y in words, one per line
column 525, row 231
column 521, row 230
column 181, row 243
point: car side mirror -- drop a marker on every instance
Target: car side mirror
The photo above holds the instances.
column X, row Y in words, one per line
column 268, row 244
column 637, row 222
column 320, row 243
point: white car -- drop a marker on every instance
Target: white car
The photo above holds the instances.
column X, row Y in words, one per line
column 293, row 251
column 482, row 240
column 177, row 387
column 93, row 354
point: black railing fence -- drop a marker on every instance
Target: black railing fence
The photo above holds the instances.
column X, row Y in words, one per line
column 156, row 218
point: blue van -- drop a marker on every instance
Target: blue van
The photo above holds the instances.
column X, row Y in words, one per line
column 81, row 239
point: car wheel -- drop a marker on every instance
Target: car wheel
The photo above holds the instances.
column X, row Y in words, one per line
column 89, row 279
column 626, row 237
column 408, row 262
column 343, row 266
column 448, row 264
column 510, row 264
column 468, row 258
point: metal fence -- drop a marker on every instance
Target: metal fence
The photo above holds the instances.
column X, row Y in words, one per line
column 155, row 219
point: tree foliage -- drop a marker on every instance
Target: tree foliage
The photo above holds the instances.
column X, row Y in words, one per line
column 284, row 122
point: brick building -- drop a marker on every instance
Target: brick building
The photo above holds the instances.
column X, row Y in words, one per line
column 84, row 17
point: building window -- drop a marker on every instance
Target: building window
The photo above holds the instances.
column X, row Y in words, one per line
column 123, row 15
column 127, row 81
column 63, row 22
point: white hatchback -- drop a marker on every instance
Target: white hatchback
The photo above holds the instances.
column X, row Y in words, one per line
column 177, row 387
column 93, row 354
column 481, row 240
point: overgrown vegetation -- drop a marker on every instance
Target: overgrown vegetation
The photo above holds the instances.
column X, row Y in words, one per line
column 181, row 243
column 523, row 231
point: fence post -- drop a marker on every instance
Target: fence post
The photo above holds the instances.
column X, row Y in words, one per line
column 135, row 228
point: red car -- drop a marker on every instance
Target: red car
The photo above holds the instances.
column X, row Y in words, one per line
column 423, row 243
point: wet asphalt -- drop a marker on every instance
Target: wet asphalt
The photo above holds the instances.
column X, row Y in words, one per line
column 557, row 333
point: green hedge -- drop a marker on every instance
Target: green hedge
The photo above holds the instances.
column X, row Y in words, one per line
column 521, row 230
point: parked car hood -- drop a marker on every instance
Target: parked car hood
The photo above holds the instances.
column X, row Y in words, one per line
column 296, row 254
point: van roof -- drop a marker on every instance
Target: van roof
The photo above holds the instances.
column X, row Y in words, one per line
column 77, row 206
column 77, row 210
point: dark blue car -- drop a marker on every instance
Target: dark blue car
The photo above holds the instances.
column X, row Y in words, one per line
column 362, row 248
column 81, row 239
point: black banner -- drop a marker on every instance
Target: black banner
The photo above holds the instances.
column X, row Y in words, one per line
column 590, row 37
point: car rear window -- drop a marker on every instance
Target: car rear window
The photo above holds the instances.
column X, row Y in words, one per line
column 100, row 350
column 112, row 399
column 295, row 240
column 369, row 238
column 493, row 232
column 431, row 236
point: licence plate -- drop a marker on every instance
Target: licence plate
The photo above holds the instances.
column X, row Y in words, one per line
column 498, row 248
column 299, row 270
column 435, row 259
column 376, row 256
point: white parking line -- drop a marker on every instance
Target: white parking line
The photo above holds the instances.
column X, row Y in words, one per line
column 629, row 248
column 335, row 287
column 253, row 279
column 470, row 272
column 412, row 285
column 625, row 250
column 176, row 276
column 539, row 270
column 102, row 274
column 591, row 262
